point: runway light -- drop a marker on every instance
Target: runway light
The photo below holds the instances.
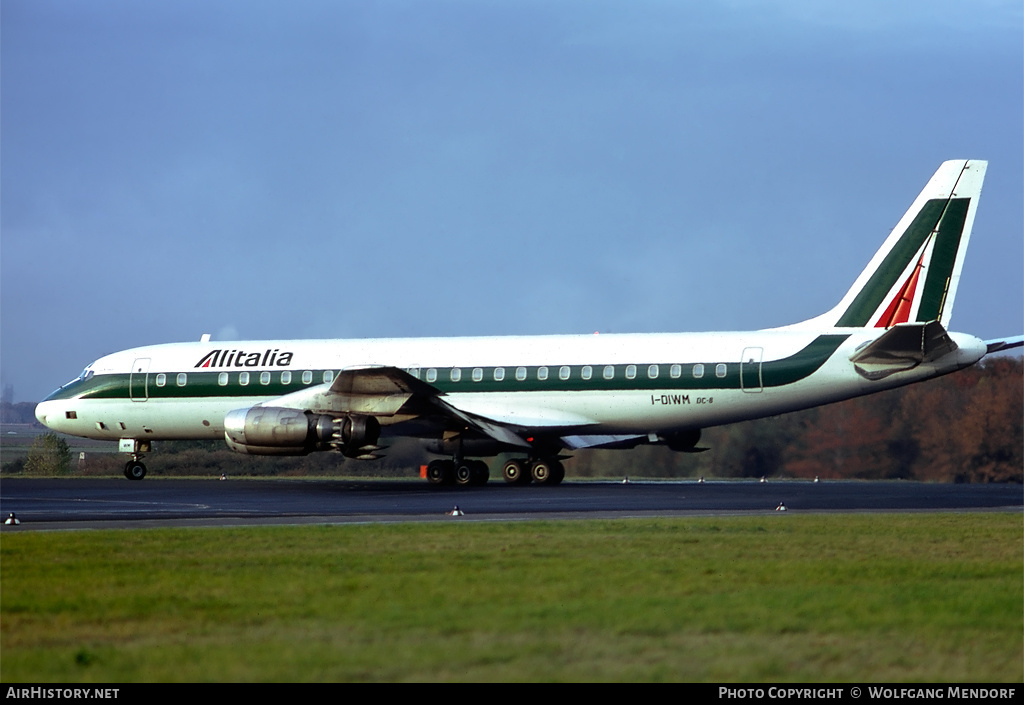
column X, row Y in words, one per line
column 12, row 520
column 455, row 512
column 815, row 478
column 625, row 480
column 763, row 480
column 701, row 480
column 781, row 507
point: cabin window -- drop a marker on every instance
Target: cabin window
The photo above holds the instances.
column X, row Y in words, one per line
column 542, row 373
column 222, row 379
column 243, row 378
column 499, row 374
column 161, row 379
column 264, row 378
column 307, row 377
column 563, row 372
column 720, row 370
column 652, row 372
column 431, row 375
column 675, row 371
column 586, row 372
column 456, row 374
column 286, row 377
column 478, row 374
column 698, row 371
column 182, row 379
column 609, row 372
column 630, row 371
column 521, row 374
column 328, row 376
column 71, row 414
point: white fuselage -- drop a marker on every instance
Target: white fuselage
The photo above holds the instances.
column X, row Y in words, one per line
column 592, row 384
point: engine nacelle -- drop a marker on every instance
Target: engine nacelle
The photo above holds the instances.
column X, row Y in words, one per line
column 270, row 430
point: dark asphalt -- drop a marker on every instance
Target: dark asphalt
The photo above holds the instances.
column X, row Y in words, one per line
column 113, row 503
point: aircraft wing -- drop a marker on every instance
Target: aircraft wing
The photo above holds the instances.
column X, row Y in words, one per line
column 391, row 392
column 380, row 391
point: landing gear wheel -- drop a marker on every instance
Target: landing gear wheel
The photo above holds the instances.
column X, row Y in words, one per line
column 441, row 472
column 134, row 470
column 464, row 474
column 471, row 472
column 547, row 471
column 557, row 473
column 481, row 473
column 541, row 472
column 516, row 472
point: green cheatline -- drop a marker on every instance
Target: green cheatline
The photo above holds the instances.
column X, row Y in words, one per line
column 774, row 373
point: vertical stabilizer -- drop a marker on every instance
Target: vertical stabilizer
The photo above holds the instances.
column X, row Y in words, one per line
column 915, row 274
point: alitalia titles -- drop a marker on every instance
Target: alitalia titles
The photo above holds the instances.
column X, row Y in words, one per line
column 243, row 358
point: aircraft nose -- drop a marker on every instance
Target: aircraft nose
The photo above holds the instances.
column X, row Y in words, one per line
column 44, row 410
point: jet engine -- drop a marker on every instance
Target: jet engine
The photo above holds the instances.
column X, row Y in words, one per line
column 269, row 430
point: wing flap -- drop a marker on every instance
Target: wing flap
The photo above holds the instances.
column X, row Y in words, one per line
column 493, row 429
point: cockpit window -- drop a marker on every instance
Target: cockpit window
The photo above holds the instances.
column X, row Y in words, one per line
column 86, row 374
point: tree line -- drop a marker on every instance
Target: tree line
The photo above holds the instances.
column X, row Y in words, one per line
column 964, row 427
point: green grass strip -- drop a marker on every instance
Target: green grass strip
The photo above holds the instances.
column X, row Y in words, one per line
column 921, row 597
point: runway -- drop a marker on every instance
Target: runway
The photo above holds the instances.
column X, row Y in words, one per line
column 65, row 504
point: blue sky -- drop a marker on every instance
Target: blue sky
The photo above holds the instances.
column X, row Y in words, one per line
column 358, row 169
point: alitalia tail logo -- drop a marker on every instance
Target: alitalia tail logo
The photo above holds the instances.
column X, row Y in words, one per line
column 241, row 358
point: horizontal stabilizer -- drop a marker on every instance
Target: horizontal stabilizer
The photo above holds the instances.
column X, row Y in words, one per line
column 901, row 348
column 1004, row 344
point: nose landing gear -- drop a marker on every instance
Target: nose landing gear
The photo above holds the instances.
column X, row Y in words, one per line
column 135, row 469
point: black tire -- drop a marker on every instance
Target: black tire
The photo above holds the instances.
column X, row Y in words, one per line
column 557, row 473
column 441, row 472
column 515, row 472
column 540, row 471
column 481, row 473
column 464, row 474
column 134, row 470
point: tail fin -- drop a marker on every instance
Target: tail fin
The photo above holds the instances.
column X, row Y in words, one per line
column 914, row 276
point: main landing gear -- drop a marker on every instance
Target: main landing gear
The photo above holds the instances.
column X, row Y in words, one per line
column 462, row 472
column 540, row 471
column 466, row 473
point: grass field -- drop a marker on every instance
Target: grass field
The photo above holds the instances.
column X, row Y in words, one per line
column 921, row 597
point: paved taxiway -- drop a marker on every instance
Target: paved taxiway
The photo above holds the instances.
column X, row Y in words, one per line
column 116, row 503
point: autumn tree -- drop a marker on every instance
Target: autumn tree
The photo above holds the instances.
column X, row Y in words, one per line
column 49, row 455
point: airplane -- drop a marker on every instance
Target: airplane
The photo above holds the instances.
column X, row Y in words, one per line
column 541, row 397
